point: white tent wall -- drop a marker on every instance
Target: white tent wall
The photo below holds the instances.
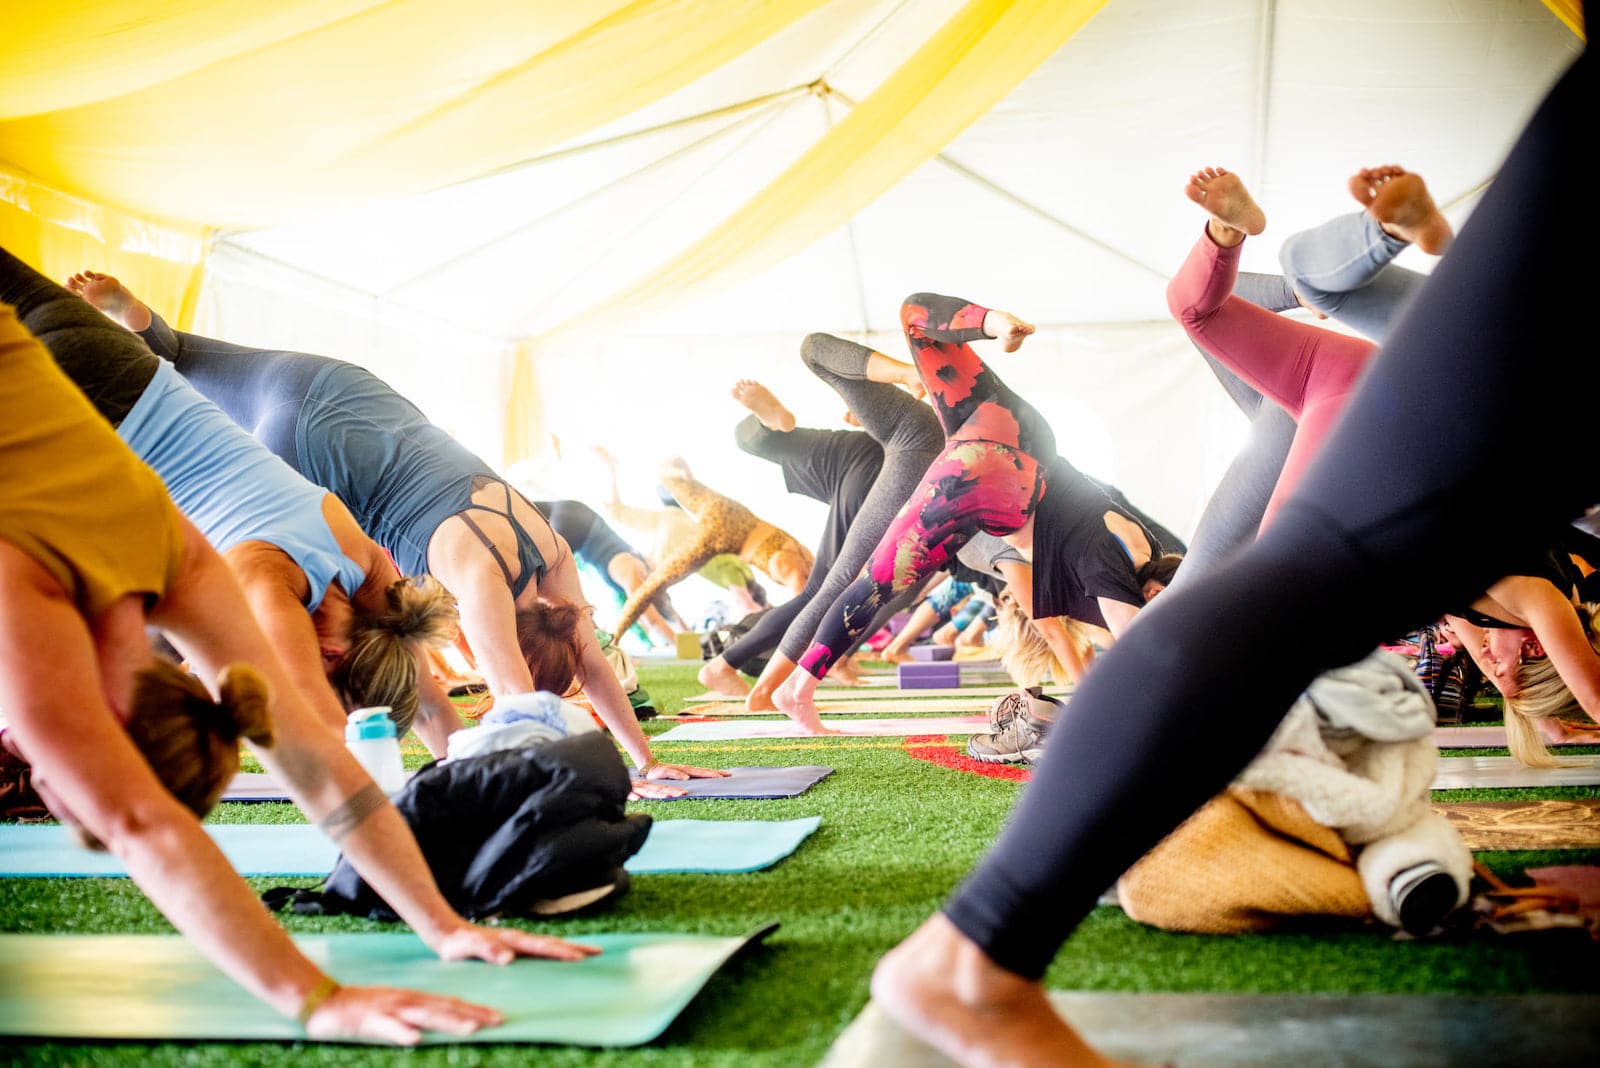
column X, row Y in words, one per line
column 453, row 374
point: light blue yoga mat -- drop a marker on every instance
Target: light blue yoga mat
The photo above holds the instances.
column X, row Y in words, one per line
column 160, row 987
column 719, row 845
column 252, row 849
column 713, row 846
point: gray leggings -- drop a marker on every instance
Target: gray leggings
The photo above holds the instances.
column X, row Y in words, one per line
column 911, row 438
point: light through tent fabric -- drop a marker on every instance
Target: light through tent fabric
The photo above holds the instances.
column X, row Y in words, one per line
column 963, row 70
column 441, row 92
column 60, row 234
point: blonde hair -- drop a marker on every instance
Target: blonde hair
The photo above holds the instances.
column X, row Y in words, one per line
column 190, row 741
column 1543, row 694
column 381, row 665
column 1025, row 654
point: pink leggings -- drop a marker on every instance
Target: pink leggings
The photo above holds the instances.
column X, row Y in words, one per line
column 1308, row 370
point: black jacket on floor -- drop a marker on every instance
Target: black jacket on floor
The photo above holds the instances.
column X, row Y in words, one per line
column 504, row 830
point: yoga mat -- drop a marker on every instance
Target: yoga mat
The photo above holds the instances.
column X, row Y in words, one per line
column 719, row 846
column 252, row 849
column 749, row 783
column 1483, row 738
column 885, row 728
column 159, row 987
column 1274, row 1030
column 1501, row 772
column 301, row 849
column 894, row 693
column 1525, row 824
column 753, row 783
column 845, row 707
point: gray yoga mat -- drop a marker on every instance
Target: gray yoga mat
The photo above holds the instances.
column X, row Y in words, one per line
column 747, row 783
column 1503, row 772
column 1279, row 1030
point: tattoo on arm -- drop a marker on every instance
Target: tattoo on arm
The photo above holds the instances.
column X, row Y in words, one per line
column 338, row 824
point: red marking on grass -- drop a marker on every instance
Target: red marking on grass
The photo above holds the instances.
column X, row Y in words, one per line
column 946, row 756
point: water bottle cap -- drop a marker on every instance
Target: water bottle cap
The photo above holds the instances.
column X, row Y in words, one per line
column 365, row 723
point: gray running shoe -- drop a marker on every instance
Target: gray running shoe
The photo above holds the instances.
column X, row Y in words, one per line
column 1020, row 738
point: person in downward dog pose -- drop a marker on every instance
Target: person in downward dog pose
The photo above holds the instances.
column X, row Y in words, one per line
column 1361, row 550
column 436, row 507
column 1095, row 562
column 130, row 750
column 880, row 396
column 723, row 525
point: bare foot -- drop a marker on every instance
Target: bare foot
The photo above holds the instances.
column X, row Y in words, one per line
column 763, row 405
column 796, row 699
column 1006, row 329
column 846, row 672
column 942, row 989
column 1400, row 202
column 1234, row 213
column 111, row 297
column 720, row 676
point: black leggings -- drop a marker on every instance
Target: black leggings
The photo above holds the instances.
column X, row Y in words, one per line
column 804, row 456
column 1387, row 529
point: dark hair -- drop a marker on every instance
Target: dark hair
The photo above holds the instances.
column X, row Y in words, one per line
column 548, row 635
column 1160, row 569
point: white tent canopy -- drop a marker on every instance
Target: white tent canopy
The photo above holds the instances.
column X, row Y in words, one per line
column 1062, row 204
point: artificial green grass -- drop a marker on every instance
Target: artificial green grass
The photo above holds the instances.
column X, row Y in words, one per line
column 897, row 835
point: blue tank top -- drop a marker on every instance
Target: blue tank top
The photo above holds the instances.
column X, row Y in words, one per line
column 230, row 486
column 399, row 473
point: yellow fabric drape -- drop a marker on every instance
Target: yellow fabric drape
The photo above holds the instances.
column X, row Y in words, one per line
column 60, row 235
column 1570, row 12
column 523, row 434
column 347, row 100
column 963, row 70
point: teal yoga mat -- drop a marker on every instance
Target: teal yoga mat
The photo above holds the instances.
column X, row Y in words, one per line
column 159, row 987
column 714, row 846
column 252, row 849
column 719, row 845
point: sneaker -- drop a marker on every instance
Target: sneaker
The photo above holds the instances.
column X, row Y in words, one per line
column 1020, row 739
column 1005, row 707
column 1423, row 895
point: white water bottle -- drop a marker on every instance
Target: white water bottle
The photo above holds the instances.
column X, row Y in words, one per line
column 370, row 735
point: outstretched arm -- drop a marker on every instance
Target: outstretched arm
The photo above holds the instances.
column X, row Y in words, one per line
column 603, row 690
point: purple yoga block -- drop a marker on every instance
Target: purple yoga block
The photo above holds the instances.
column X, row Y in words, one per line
column 932, row 652
column 929, row 676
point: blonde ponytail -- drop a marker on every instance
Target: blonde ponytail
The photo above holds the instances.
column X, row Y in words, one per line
column 381, row 665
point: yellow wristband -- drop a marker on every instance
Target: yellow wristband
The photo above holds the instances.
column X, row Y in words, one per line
column 326, row 987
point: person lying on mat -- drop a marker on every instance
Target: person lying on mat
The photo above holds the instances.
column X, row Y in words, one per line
column 437, row 508
column 864, row 476
column 332, row 602
column 131, row 751
column 998, row 473
column 1368, row 544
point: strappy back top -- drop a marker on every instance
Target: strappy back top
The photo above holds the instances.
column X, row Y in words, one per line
column 530, row 562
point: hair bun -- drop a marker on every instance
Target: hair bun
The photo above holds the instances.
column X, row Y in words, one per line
column 246, row 703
